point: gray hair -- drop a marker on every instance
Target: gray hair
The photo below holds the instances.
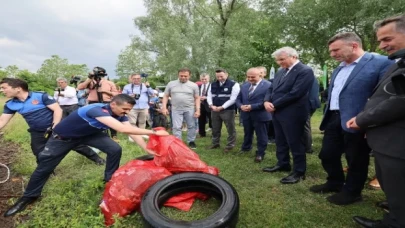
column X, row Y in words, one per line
column 61, row 79
column 287, row 50
column 347, row 37
column 398, row 20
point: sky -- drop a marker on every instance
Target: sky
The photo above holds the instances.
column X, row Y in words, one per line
column 91, row 32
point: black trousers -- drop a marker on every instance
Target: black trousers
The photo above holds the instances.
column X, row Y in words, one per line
column 270, row 130
column 391, row 175
column 288, row 137
column 57, row 149
column 38, row 142
column 202, row 121
column 112, row 131
column 335, row 142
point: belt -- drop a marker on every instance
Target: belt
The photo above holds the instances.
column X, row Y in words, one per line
column 335, row 111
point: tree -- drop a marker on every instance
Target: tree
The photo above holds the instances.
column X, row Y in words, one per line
column 11, row 71
column 56, row 67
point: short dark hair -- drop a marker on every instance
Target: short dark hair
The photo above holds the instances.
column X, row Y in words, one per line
column 346, row 36
column 120, row 99
column 15, row 83
column 219, row 70
column 185, row 69
column 398, row 20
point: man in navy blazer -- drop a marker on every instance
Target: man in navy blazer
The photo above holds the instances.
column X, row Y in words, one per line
column 352, row 83
column 287, row 99
column 253, row 114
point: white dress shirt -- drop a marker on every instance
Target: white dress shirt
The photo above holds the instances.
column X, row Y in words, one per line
column 69, row 96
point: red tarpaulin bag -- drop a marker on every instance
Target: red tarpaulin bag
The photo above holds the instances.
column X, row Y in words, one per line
column 174, row 155
column 123, row 193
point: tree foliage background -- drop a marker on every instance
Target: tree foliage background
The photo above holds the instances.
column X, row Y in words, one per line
column 234, row 34
column 237, row 34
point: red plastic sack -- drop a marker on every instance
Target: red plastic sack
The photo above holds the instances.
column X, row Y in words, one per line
column 184, row 201
column 174, row 155
column 123, row 193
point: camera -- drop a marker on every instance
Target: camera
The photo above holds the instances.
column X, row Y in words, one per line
column 137, row 96
column 97, row 73
column 58, row 89
column 74, row 80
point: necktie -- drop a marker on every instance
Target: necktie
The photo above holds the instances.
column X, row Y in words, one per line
column 204, row 91
column 252, row 86
column 284, row 73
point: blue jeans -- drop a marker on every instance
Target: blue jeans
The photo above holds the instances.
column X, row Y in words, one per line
column 177, row 119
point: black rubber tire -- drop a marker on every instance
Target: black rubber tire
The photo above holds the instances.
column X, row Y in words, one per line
column 146, row 157
column 226, row 215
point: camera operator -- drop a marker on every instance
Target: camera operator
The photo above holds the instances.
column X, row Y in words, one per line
column 100, row 90
column 140, row 92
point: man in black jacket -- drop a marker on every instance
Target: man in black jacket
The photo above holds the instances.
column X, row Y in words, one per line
column 383, row 119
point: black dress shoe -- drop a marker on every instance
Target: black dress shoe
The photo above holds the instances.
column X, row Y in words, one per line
column 293, row 178
column 277, row 168
column 344, row 198
column 324, row 188
column 369, row 223
column 383, row 205
column 213, row 147
column 19, row 205
column 258, row 159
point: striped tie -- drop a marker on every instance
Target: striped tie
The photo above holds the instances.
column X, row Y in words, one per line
column 252, row 86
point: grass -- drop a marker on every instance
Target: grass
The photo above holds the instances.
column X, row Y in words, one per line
column 71, row 198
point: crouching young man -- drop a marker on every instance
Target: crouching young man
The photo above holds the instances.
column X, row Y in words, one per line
column 86, row 126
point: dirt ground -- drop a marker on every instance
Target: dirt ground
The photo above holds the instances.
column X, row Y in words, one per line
column 13, row 187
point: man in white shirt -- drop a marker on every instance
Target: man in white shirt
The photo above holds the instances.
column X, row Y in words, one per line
column 66, row 97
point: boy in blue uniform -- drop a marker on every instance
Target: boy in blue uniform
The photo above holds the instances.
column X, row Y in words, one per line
column 39, row 110
column 85, row 126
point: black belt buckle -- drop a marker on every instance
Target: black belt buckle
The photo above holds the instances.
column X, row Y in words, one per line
column 335, row 111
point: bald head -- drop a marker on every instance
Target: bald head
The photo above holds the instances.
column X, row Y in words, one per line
column 253, row 75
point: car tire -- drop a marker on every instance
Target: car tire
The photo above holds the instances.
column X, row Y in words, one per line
column 226, row 215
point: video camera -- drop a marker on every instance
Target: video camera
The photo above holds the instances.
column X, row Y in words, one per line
column 97, row 73
column 75, row 79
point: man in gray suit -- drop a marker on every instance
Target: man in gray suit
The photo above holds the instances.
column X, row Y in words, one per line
column 383, row 119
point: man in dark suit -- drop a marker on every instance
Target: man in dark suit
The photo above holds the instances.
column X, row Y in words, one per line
column 205, row 109
column 287, row 99
column 314, row 104
column 352, row 83
column 383, row 119
column 253, row 114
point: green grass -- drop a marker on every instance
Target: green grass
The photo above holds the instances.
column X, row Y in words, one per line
column 71, row 198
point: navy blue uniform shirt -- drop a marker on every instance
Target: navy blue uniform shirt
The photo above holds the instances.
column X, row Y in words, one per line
column 83, row 122
column 33, row 109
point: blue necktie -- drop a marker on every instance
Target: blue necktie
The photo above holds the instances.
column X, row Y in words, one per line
column 252, row 86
